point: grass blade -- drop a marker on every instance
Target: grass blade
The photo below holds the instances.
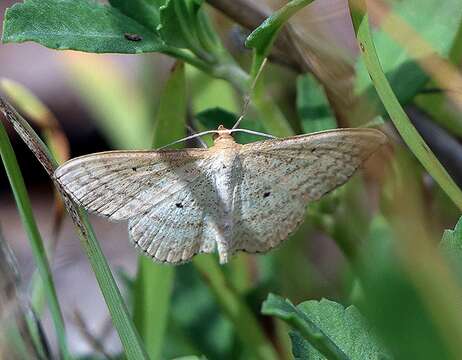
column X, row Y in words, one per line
column 57, row 142
column 129, row 337
column 25, row 211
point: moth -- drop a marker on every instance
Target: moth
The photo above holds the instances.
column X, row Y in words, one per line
column 226, row 198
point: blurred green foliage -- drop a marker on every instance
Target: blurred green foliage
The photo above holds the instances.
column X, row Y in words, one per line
column 370, row 246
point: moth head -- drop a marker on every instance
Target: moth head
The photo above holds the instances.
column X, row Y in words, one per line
column 222, row 134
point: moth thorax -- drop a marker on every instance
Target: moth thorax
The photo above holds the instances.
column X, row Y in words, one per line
column 223, row 136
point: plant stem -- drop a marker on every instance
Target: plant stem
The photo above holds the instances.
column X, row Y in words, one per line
column 233, row 74
column 187, row 57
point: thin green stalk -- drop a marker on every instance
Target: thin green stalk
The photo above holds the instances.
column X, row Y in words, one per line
column 261, row 40
column 188, row 57
column 246, row 325
column 153, row 290
column 121, row 319
column 263, row 37
column 272, row 117
column 25, row 211
column 228, row 70
column 401, row 121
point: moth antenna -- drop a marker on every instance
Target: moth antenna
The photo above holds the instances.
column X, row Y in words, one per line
column 254, row 133
column 189, row 138
column 247, row 99
column 194, row 132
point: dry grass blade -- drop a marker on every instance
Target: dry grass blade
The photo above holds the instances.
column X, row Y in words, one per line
column 33, row 108
column 54, row 136
column 56, row 140
column 130, row 339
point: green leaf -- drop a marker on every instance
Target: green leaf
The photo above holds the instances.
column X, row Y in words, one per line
column 170, row 122
column 451, row 245
column 154, row 282
column 345, row 326
column 404, row 126
column 146, row 12
column 214, row 117
column 86, row 25
column 262, row 38
column 184, row 25
column 189, row 35
column 276, row 306
column 452, row 239
column 177, row 23
column 81, row 25
column 436, row 24
column 312, row 105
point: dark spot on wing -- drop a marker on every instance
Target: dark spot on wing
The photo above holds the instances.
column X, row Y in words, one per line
column 179, row 205
column 134, row 168
column 266, row 194
column 133, row 37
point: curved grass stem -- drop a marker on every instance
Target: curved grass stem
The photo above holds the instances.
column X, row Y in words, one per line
column 398, row 116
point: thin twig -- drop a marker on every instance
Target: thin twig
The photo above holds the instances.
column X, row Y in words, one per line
column 92, row 340
column 248, row 96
